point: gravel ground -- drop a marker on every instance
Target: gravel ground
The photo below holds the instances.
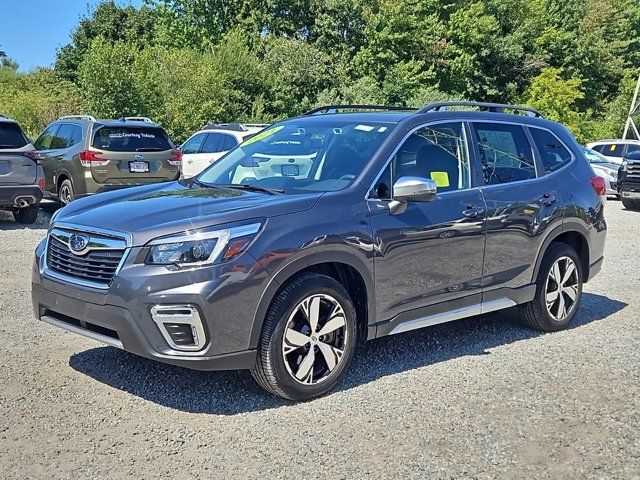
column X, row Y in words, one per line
column 479, row 398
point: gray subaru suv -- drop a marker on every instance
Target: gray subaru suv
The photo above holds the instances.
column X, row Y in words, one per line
column 383, row 220
column 21, row 177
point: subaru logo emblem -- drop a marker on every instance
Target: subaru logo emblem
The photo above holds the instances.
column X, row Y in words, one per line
column 138, row 156
column 77, row 243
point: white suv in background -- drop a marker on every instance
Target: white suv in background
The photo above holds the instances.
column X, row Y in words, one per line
column 209, row 144
column 615, row 150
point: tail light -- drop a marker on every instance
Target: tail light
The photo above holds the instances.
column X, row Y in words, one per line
column 89, row 158
column 598, row 185
column 33, row 155
column 176, row 159
column 41, row 184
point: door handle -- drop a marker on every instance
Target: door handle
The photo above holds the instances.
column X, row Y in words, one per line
column 472, row 211
column 547, row 199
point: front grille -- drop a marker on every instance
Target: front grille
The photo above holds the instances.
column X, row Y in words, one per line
column 96, row 266
column 633, row 170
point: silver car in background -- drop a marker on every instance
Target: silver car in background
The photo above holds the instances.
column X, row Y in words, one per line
column 605, row 169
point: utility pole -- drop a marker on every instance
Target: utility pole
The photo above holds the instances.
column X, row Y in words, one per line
column 635, row 109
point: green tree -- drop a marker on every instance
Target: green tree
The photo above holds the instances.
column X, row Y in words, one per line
column 556, row 98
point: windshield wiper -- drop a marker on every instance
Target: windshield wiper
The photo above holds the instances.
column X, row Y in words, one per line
column 250, row 187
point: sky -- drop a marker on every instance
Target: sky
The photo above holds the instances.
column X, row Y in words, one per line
column 32, row 30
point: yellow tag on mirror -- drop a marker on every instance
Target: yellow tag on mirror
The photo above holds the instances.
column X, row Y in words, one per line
column 441, row 178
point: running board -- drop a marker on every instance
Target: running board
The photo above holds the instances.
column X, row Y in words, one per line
column 457, row 314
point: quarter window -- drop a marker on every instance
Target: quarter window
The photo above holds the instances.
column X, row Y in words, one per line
column 436, row 152
column 554, row 154
column 505, row 153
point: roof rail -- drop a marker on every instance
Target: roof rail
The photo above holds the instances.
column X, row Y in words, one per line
column 135, row 119
column 335, row 108
column 490, row 107
column 235, row 127
column 3, row 116
column 78, row 117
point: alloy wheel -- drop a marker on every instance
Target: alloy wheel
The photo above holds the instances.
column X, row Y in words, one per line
column 315, row 339
column 65, row 195
column 562, row 288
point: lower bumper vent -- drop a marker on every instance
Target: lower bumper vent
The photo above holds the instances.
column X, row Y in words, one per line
column 180, row 326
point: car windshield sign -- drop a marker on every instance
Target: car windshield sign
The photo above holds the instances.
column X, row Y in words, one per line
column 301, row 156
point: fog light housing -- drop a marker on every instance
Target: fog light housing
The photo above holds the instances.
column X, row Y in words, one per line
column 181, row 326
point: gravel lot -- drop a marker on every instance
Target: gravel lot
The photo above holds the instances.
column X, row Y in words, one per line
column 479, row 398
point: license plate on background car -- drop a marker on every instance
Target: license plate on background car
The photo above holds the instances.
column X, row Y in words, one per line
column 138, row 167
column 631, row 194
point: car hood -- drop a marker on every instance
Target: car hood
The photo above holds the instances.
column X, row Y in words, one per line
column 161, row 209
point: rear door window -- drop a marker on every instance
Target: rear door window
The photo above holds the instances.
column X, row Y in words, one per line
column 131, row 139
column 67, row 136
column 229, row 143
column 214, row 143
column 554, row 155
column 505, row 153
column 11, row 136
column 613, row 150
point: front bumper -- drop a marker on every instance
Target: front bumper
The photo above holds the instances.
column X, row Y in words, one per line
column 10, row 195
column 226, row 297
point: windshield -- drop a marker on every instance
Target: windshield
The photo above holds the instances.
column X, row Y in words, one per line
column 131, row 139
column 301, row 156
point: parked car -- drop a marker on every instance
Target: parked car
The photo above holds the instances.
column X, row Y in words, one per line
column 82, row 155
column 208, row 145
column 407, row 218
column 615, row 150
column 629, row 181
column 605, row 169
column 21, row 178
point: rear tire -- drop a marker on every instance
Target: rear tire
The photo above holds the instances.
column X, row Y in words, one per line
column 631, row 204
column 65, row 193
column 558, row 290
column 308, row 338
column 26, row 215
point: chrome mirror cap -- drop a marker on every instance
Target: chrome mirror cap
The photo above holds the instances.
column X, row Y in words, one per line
column 414, row 189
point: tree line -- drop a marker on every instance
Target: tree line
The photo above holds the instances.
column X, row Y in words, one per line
column 188, row 62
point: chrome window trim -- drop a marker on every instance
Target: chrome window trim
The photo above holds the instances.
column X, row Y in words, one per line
column 534, row 150
column 404, row 139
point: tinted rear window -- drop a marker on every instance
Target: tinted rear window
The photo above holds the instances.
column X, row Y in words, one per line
column 131, row 139
column 11, row 136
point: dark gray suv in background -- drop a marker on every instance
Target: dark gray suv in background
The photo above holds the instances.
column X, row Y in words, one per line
column 21, row 178
column 383, row 221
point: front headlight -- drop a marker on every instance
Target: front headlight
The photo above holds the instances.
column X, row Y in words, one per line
column 202, row 247
column 623, row 167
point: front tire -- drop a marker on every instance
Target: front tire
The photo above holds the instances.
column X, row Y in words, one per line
column 308, row 338
column 558, row 290
column 26, row 215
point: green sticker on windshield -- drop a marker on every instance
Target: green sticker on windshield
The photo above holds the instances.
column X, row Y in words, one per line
column 262, row 135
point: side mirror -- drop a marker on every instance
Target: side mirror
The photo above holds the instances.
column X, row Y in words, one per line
column 411, row 189
column 414, row 189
